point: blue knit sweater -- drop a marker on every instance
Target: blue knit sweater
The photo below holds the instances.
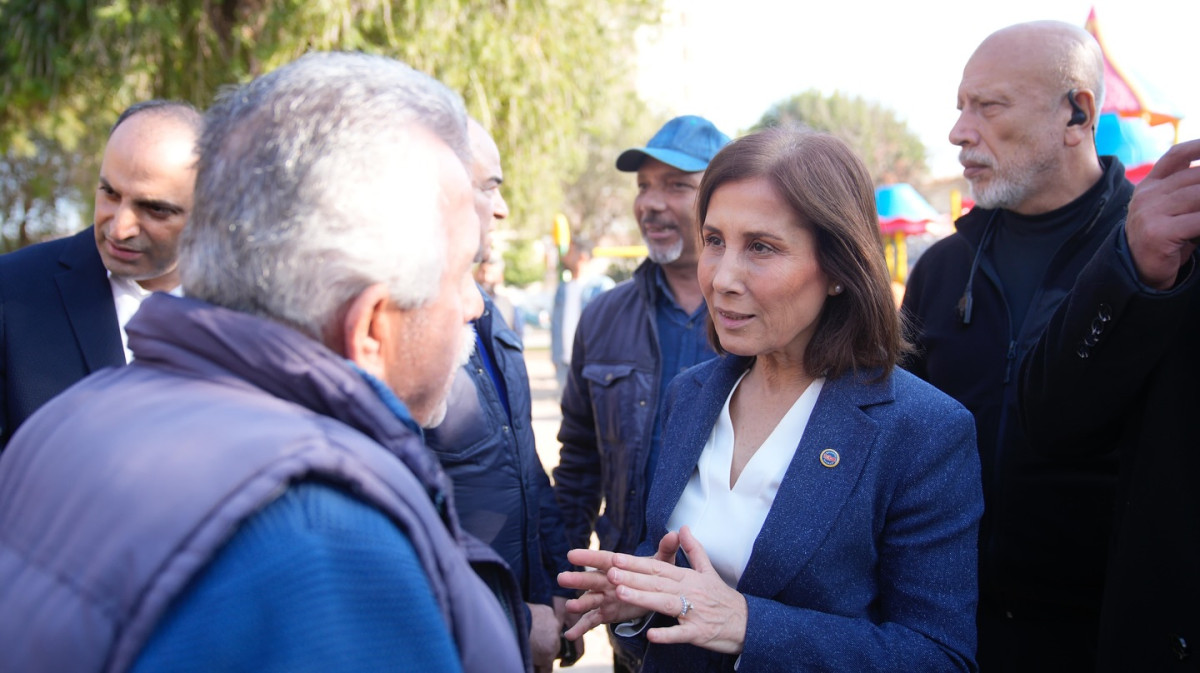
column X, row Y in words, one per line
column 316, row 581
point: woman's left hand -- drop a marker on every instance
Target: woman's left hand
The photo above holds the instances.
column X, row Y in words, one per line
column 716, row 614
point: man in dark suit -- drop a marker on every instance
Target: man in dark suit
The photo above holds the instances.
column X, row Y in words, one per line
column 1118, row 366
column 64, row 303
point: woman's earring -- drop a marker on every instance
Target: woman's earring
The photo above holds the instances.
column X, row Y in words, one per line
column 837, row 289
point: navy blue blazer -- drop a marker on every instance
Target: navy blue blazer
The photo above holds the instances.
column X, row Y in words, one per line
column 57, row 324
column 869, row 565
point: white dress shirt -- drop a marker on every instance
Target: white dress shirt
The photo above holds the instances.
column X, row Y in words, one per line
column 727, row 520
column 128, row 297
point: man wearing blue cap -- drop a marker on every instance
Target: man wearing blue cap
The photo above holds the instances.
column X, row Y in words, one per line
column 630, row 342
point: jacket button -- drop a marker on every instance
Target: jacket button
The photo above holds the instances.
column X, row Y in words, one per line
column 642, row 403
column 608, row 377
column 1179, row 646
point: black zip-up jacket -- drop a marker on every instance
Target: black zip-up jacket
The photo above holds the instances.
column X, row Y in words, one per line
column 1047, row 520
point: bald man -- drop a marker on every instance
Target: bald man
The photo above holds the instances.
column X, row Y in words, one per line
column 1029, row 101
column 64, row 303
column 486, row 444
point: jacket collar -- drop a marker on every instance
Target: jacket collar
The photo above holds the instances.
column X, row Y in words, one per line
column 198, row 337
column 811, row 495
column 644, row 277
column 88, row 302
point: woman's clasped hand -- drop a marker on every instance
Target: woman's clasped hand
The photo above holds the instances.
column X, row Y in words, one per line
column 626, row 588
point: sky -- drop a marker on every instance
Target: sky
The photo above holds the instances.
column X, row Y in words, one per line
column 730, row 60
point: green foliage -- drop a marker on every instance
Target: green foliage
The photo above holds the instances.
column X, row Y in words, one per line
column 36, row 195
column 890, row 150
column 534, row 72
column 600, row 199
column 522, row 263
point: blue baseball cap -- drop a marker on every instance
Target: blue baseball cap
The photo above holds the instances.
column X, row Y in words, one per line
column 687, row 143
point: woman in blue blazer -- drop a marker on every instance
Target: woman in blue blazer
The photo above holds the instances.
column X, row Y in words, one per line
column 813, row 507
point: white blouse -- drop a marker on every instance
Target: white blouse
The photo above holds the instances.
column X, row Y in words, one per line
column 727, row 521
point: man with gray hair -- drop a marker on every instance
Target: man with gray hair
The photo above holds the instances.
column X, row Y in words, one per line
column 253, row 491
column 1029, row 102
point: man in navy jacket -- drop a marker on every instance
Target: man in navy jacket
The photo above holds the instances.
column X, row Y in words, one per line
column 486, row 443
column 64, row 303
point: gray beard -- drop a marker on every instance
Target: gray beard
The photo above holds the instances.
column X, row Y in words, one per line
column 464, row 356
column 1002, row 192
column 665, row 255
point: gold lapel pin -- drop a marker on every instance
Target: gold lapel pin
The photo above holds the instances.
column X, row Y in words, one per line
column 830, row 458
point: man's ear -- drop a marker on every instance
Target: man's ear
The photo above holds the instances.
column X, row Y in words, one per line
column 1085, row 116
column 365, row 330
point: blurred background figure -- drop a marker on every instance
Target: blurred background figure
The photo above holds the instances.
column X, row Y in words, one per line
column 572, row 296
column 489, row 273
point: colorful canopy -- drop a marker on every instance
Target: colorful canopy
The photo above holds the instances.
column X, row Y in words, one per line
column 1132, row 141
column 902, row 210
column 1126, row 96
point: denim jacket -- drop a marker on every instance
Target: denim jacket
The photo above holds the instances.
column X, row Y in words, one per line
column 608, row 412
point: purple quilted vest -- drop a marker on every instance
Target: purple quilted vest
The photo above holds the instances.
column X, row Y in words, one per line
column 118, row 492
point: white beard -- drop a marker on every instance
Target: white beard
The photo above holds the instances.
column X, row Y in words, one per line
column 1010, row 185
column 465, row 350
column 665, row 255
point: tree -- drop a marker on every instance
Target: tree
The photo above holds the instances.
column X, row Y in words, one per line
column 890, row 150
column 600, row 198
column 533, row 72
column 37, row 196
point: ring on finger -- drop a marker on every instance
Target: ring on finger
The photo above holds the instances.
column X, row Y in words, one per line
column 685, row 605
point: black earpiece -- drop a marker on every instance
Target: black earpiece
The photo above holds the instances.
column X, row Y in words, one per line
column 1078, row 116
column 967, row 303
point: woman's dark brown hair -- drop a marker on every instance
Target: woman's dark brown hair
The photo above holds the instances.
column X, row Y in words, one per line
column 828, row 187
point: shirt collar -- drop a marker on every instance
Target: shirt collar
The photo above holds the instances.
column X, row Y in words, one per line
column 135, row 289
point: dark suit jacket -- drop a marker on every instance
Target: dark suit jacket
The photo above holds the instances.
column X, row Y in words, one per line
column 1119, row 365
column 57, row 324
column 869, row 565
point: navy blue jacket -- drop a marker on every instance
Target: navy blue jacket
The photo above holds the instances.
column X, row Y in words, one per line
column 866, row 566
column 608, row 411
column 1045, row 531
column 57, row 324
column 501, row 490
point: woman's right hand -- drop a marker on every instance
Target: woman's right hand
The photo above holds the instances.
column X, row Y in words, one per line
column 599, row 603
